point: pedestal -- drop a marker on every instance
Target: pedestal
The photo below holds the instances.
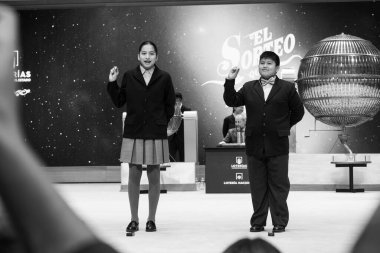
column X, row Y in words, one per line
column 351, row 166
column 190, row 121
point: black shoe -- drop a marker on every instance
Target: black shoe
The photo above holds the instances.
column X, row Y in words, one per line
column 150, row 226
column 133, row 226
column 256, row 228
column 278, row 228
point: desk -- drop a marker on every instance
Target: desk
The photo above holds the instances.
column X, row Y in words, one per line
column 351, row 166
column 226, row 170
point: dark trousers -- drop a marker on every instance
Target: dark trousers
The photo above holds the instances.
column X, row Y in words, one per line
column 269, row 183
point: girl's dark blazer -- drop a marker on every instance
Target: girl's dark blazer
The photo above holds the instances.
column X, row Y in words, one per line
column 268, row 121
column 149, row 107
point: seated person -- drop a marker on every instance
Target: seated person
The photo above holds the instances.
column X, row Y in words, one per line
column 229, row 121
column 236, row 134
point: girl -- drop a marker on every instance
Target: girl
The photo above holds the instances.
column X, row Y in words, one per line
column 148, row 94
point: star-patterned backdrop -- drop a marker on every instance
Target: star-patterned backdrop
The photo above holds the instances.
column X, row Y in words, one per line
column 68, row 117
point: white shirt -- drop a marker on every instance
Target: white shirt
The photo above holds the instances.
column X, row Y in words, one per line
column 267, row 88
column 147, row 74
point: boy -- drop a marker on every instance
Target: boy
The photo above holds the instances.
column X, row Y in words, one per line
column 273, row 106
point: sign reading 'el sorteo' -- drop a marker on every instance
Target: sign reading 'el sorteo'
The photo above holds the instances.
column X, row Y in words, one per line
column 244, row 51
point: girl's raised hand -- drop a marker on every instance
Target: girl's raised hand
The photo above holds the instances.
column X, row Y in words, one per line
column 114, row 72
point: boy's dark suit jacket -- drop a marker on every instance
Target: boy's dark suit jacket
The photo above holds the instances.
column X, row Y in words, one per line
column 149, row 107
column 268, row 122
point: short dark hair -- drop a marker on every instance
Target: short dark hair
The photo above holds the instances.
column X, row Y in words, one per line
column 178, row 95
column 247, row 245
column 148, row 42
column 270, row 55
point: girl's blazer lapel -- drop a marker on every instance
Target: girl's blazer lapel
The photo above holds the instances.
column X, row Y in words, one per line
column 139, row 77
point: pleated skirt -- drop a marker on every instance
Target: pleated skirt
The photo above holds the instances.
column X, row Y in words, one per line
column 148, row 152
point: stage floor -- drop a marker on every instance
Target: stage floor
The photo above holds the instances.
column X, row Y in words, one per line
column 320, row 221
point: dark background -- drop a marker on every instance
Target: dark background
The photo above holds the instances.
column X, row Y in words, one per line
column 68, row 117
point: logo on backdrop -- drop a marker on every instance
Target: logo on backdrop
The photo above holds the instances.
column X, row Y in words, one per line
column 22, row 92
column 239, row 176
column 239, row 165
column 20, row 75
column 239, row 159
column 244, row 51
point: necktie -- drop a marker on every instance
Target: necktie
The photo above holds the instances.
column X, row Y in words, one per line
column 267, row 81
column 147, row 76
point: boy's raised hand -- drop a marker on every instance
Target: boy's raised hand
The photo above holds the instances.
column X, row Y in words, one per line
column 233, row 73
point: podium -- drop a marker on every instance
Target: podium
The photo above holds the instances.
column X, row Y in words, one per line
column 190, row 121
column 226, row 170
